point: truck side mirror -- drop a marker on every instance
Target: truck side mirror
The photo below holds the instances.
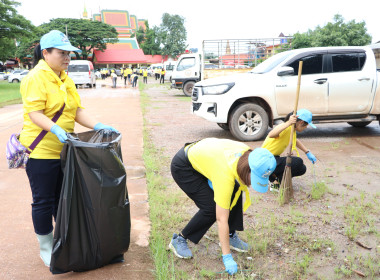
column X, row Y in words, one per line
column 285, row 71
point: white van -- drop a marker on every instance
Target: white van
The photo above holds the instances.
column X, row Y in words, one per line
column 169, row 68
column 82, row 72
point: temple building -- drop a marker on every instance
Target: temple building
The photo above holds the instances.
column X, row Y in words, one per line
column 126, row 52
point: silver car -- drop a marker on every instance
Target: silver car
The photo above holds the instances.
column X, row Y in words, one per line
column 16, row 77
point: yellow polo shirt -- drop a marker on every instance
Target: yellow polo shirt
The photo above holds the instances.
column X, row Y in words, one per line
column 43, row 90
column 278, row 145
column 217, row 159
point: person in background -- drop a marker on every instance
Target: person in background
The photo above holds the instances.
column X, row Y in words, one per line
column 114, row 78
column 157, row 73
column 162, row 73
column 121, row 73
column 145, row 76
column 134, row 79
column 140, row 71
column 213, row 173
column 45, row 90
column 125, row 75
column 279, row 138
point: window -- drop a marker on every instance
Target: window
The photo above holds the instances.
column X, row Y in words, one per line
column 186, row 63
column 348, row 62
column 78, row 68
column 312, row 64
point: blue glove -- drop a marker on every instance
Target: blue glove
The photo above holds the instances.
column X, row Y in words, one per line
column 99, row 126
column 230, row 264
column 59, row 132
column 311, row 157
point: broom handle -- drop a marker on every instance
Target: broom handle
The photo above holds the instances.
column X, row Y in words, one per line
column 296, row 104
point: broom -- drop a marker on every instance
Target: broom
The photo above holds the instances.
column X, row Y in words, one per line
column 286, row 187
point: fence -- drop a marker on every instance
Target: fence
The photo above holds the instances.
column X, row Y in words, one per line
column 241, row 53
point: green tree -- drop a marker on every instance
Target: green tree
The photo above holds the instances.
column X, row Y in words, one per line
column 148, row 39
column 172, row 35
column 336, row 33
column 12, row 26
column 83, row 34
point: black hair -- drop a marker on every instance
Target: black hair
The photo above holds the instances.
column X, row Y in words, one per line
column 37, row 54
column 288, row 116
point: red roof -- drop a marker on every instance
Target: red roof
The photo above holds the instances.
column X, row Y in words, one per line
column 151, row 59
column 118, row 56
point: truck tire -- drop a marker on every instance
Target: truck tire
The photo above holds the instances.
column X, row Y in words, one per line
column 359, row 124
column 224, row 126
column 249, row 122
column 188, row 88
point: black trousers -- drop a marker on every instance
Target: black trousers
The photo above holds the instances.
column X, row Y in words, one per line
column 298, row 168
column 195, row 185
column 145, row 80
column 45, row 178
column 162, row 78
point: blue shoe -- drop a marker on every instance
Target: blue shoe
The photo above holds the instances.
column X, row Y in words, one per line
column 178, row 245
column 238, row 245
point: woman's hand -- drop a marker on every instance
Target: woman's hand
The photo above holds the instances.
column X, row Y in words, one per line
column 292, row 120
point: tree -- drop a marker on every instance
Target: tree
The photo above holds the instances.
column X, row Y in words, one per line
column 83, row 34
column 336, row 33
column 148, row 39
column 172, row 35
column 12, row 26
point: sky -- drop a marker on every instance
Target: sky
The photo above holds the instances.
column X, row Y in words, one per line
column 215, row 19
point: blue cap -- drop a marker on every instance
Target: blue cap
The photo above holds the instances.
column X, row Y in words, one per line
column 306, row 115
column 56, row 39
column 262, row 164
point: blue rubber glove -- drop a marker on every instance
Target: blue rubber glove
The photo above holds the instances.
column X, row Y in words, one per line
column 230, row 264
column 99, row 126
column 311, row 157
column 59, row 132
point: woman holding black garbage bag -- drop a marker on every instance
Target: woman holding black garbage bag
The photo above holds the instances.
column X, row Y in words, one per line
column 46, row 91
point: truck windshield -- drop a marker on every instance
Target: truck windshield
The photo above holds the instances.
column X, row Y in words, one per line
column 186, row 63
column 270, row 63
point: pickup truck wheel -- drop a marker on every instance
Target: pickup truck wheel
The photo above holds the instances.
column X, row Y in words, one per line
column 359, row 124
column 249, row 122
column 188, row 88
column 224, row 126
column 15, row 81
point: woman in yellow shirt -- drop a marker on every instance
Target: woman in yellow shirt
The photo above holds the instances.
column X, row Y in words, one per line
column 44, row 91
column 213, row 173
column 279, row 138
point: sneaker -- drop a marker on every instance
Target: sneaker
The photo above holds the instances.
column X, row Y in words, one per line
column 237, row 244
column 274, row 187
column 178, row 245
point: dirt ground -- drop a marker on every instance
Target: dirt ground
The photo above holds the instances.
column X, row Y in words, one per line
column 335, row 236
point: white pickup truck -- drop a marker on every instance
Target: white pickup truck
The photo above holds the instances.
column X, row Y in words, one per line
column 338, row 84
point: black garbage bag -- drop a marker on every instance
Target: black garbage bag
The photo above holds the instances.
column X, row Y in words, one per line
column 93, row 221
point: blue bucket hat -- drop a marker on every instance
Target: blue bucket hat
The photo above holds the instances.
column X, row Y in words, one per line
column 262, row 164
column 56, row 39
column 306, row 115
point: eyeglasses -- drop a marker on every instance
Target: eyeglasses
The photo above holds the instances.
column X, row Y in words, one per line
column 303, row 123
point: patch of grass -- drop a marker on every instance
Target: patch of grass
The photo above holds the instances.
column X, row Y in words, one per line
column 301, row 266
column 318, row 190
column 206, row 274
column 357, row 214
column 9, row 93
column 162, row 211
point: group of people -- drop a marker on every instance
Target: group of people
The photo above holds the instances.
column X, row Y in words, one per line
column 212, row 172
column 159, row 74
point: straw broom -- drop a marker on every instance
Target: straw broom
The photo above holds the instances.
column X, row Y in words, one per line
column 286, row 187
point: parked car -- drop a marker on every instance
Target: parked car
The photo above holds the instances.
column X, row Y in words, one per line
column 2, row 76
column 98, row 74
column 82, row 72
column 17, row 76
column 339, row 84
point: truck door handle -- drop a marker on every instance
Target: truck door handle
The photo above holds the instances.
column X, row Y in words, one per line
column 363, row 78
column 320, row 81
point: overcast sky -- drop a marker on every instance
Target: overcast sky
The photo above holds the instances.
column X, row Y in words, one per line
column 215, row 19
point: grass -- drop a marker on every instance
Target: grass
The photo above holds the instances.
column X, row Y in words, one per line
column 9, row 93
column 318, row 190
column 162, row 202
